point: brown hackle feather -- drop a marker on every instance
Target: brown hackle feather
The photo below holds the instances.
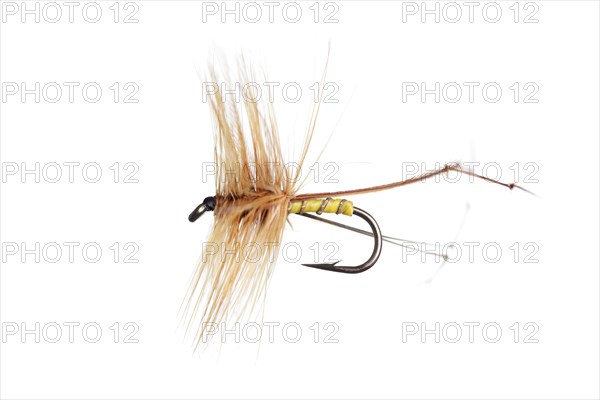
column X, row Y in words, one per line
column 253, row 192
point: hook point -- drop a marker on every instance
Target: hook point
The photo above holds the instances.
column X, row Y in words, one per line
column 322, row 265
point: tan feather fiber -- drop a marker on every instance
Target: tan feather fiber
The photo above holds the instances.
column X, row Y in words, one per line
column 253, row 191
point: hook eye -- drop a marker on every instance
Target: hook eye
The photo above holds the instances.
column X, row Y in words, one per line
column 208, row 204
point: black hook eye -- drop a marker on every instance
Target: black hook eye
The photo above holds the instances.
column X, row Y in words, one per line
column 208, row 204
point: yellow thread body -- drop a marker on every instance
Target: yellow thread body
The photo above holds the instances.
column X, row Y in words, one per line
column 329, row 205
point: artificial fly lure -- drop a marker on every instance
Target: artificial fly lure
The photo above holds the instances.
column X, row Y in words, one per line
column 253, row 200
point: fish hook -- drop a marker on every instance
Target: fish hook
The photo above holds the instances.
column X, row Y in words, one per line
column 319, row 206
column 377, row 239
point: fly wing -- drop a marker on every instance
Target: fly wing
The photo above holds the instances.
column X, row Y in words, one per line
column 247, row 147
column 252, row 193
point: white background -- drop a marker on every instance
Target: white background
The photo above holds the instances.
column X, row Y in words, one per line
column 375, row 50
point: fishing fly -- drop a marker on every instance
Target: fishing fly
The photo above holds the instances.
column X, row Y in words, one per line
column 254, row 198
